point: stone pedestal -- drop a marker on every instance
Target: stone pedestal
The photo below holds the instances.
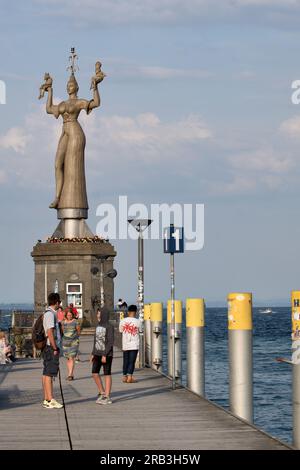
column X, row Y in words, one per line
column 66, row 265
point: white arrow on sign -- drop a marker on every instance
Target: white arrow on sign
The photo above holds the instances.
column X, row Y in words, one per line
column 176, row 235
column 166, row 239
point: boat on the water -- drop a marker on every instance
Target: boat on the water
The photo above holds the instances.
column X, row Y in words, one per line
column 266, row 310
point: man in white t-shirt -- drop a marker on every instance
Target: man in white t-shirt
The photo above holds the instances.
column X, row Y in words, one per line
column 130, row 327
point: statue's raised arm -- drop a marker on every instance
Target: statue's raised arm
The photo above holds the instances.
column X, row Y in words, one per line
column 96, row 79
column 47, row 86
column 50, row 107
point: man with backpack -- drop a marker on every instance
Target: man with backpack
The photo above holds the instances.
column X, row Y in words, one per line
column 50, row 351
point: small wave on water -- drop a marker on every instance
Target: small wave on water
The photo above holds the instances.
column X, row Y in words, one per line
column 5, row 320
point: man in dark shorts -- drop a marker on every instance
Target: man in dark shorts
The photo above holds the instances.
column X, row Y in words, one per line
column 102, row 355
column 51, row 351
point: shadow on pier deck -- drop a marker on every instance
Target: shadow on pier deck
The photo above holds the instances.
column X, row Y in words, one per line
column 146, row 415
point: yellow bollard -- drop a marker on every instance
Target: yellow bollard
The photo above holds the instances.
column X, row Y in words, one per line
column 156, row 311
column 147, row 329
column 178, row 311
column 240, row 311
column 240, row 354
column 195, row 350
column 295, row 300
column 195, row 312
column 147, row 311
column 178, row 327
column 156, row 334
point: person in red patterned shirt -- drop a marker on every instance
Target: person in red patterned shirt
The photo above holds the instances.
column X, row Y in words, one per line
column 130, row 327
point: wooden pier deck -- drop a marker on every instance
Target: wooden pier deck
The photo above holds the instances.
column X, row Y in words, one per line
column 147, row 415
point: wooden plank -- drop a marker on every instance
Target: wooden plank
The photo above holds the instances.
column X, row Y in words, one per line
column 146, row 415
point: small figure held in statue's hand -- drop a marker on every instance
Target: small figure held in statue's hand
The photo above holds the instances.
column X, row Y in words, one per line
column 98, row 77
column 45, row 86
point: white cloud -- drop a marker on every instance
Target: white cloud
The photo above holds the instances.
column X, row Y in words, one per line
column 136, row 149
column 143, row 136
column 119, row 67
column 262, row 160
column 15, row 138
column 162, row 73
column 105, row 12
column 280, row 3
column 260, row 169
column 291, row 127
column 239, row 184
column 24, row 151
column 113, row 142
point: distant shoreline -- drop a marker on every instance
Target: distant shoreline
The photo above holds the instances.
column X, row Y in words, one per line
column 30, row 306
column 13, row 305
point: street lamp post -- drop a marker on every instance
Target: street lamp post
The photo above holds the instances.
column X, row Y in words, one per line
column 140, row 225
column 102, row 259
column 102, row 299
column 110, row 274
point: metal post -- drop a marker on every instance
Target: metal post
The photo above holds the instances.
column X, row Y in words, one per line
column 174, row 341
column 141, row 298
column 172, row 272
column 102, row 300
column 296, row 405
column 240, row 355
column 140, row 225
column 178, row 343
column 147, row 324
column 195, row 349
column 156, row 335
column 295, row 298
column 46, row 283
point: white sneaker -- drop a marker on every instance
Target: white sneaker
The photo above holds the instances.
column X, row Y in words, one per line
column 52, row 404
column 47, row 404
column 106, row 401
column 100, row 399
column 55, row 404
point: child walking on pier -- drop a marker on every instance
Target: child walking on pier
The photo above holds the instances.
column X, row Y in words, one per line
column 102, row 355
column 129, row 327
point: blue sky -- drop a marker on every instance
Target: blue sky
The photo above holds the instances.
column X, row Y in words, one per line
column 196, row 108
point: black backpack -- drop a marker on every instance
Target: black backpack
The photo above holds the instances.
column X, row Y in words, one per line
column 38, row 333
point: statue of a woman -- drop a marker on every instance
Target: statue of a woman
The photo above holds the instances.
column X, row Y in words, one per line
column 69, row 161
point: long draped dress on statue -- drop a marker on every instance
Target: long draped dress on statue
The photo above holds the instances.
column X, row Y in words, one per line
column 73, row 195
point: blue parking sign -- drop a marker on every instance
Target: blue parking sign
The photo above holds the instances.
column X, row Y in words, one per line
column 174, row 240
